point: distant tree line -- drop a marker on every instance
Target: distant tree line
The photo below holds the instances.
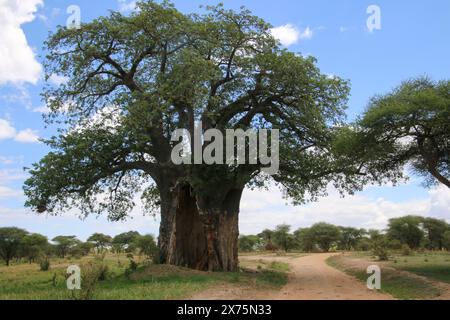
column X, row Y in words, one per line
column 404, row 233
column 20, row 245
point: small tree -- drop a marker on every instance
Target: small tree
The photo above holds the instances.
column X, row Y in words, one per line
column 146, row 245
column 446, row 240
column 64, row 244
column 249, row 243
column 123, row 241
column 325, row 235
column 363, row 244
column 10, row 242
column 81, row 249
column 408, row 230
column 379, row 244
column 100, row 241
column 283, row 239
column 33, row 246
column 267, row 236
column 305, row 239
column 350, row 237
column 434, row 231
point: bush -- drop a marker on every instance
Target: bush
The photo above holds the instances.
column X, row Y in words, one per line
column 103, row 272
column 394, row 244
column 270, row 247
column 89, row 279
column 131, row 268
column 44, row 264
column 133, row 265
column 102, row 268
column 91, row 274
column 381, row 252
column 406, row 250
column 156, row 259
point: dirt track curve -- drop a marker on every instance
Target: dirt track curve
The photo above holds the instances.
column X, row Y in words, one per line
column 310, row 278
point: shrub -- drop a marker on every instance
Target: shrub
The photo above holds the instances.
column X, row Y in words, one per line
column 156, row 259
column 395, row 244
column 44, row 264
column 406, row 250
column 131, row 268
column 103, row 272
column 270, row 247
column 381, row 252
column 54, row 280
column 91, row 273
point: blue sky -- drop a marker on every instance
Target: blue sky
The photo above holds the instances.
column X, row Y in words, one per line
column 412, row 41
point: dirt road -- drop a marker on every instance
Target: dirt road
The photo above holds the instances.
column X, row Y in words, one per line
column 310, row 278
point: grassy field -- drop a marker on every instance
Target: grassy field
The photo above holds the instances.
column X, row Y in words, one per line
column 149, row 281
column 433, row 265
column 401, row 285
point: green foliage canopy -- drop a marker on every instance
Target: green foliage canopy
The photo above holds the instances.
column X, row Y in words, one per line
column 134, row 79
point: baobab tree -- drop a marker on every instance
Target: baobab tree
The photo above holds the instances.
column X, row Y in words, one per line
column 133, row 80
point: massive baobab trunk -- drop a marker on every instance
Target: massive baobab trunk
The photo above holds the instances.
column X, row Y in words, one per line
column 198, row 234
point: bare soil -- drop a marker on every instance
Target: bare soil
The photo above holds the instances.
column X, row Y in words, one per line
column 310, row 278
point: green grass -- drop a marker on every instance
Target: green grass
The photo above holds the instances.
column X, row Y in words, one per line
column 279, row 266
column 272, row 278
column 394, row 283
column 149, row 282
column 432, row 265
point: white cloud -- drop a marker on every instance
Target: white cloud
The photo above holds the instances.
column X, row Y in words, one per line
column 7, row 132
column 126, row 6
column 306, row 34
column 10, row 160
column 343, row 29
column 57, row 80
column 17, row 60
column 41, row 109
column 16, row 95
column 289, row 34
column 27, row 136
column 264, row 209
column 7, row 175
column 6, row 192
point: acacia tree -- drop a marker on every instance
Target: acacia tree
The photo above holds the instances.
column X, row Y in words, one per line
column 408, row 230
column 133, row 80
column 34, row 245
column 146, row 245
column 350, row 237
column 407, row 127
column 325, row 235
column 10, row 242
column 100, row 241
column 434, row 231
column 64, row 244
column 282, row 237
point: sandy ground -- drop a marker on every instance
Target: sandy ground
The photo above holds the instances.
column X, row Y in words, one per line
column 360, row 263
column 310, row 278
